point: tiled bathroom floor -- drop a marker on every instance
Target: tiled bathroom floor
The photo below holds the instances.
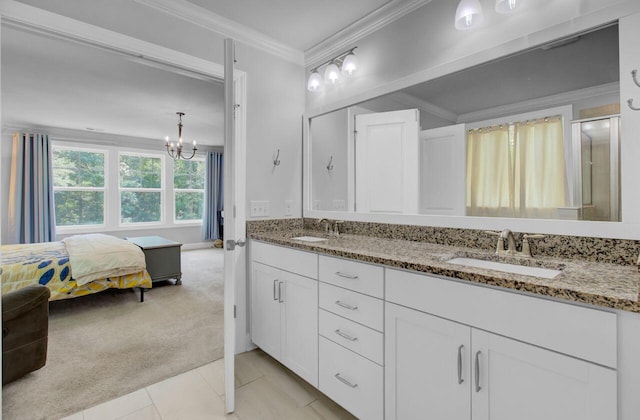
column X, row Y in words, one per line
column 264, row 390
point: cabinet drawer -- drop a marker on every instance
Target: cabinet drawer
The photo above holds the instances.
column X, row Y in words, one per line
column 351, row 380
column 351, row 305
column 352, row 275
column 355, row 337
column 585, row 333
column 287, row 259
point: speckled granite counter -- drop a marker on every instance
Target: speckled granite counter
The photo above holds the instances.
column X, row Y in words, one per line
column 603, row 284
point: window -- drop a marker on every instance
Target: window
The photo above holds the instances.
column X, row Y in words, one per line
column 188, row 188
column 79, row 186
column 141, row 193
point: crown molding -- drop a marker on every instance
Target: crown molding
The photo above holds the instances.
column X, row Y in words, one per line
column 404, row 98
column 383, row 16
column 95, row 138
column 226, row 27
column 540, row 103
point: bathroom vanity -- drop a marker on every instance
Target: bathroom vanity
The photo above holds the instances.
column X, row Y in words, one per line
column 390, row 329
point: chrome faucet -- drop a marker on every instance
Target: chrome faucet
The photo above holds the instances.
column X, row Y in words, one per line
column 336, row 227
column 526, row 248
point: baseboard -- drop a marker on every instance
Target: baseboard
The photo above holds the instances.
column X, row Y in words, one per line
column 197, row 245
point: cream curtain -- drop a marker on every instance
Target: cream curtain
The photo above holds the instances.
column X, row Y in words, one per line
column 489, row 172
column 517, row 170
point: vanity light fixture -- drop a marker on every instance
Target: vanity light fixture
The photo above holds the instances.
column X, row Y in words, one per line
column 507, row 6
column 175, row 151
column 344, row 63
column 468, row 14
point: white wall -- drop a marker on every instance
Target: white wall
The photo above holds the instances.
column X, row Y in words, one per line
column 275, row 90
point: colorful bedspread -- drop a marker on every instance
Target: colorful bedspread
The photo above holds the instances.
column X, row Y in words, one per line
column 48, row 264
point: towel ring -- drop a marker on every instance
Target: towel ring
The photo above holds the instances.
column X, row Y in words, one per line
column 634, row 74
column 630, row 103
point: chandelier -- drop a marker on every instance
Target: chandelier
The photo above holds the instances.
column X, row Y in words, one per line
column 175, row 151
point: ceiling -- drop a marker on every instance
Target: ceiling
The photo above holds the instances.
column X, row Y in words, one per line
column 54, row 83
column 300, row 24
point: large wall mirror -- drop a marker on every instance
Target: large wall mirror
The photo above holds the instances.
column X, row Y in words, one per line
column 532, row 135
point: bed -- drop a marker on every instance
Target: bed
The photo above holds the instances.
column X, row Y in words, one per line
column 76, row 266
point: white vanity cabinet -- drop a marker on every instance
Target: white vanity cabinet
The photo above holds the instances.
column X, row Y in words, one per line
column 284, row 307
column 351, row 335
column 445, row 364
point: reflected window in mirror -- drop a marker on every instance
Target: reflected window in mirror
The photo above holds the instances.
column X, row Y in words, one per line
column 517, row 169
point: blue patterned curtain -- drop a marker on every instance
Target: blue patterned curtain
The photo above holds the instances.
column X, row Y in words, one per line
column 212, row 220
column 31, row 211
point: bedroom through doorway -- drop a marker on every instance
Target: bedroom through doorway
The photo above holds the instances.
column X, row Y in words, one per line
column 120, row 105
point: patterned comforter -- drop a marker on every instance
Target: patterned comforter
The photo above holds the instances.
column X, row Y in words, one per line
column 48, row 264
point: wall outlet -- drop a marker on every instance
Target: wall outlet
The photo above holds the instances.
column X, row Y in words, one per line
column 339, row 205
column 288, row 207
column 316, row 204
column 259, row 208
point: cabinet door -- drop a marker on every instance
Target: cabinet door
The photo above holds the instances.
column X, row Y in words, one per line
column 524, row 382
column 265, row 308
column 427, row 366
column 300, row 326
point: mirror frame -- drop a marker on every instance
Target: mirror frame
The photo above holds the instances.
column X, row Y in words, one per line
column 628, row 228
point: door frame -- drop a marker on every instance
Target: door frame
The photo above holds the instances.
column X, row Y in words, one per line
column 23, row 16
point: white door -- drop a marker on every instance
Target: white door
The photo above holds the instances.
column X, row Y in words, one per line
column 427, row 366
column 234, row 223
column 386, row 160
column 443, row 170
column 299, row 326
column 266, row 295
column 524, row 382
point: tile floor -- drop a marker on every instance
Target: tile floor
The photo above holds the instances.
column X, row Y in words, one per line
column 264, row 390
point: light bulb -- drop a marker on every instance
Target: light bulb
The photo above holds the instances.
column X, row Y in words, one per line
column 507, row 6
column 315, row 82
column 350, row 65
column 332, row 73
column 166, row 139
column 468, row 14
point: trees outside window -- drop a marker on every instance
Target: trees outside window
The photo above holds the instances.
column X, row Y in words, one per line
column 79, row 186
column 188, row 188
column 141, row 193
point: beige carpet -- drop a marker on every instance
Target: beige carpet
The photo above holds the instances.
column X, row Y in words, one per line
column 107, row 345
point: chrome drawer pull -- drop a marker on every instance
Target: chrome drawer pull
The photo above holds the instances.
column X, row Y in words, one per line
column 478, row 388
column 460, row 379
column 344, row 305
column 347, row 336
column 275, row 287
column 346, row 276
column 344, row 381
column 280, row 292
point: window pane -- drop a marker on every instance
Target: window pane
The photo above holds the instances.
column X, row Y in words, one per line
column 74, row 168
column 188, row 174
column 140, row 172
column 139, row 207
column 79, row 208
column 189, row 205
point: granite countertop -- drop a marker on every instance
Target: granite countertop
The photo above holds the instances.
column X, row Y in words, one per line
column 602, row 284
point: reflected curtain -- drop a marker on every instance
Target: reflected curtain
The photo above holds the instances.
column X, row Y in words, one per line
column 31, row 208
column 540, row 178
column 517, row 170
column 213, row 197
column 489, row 172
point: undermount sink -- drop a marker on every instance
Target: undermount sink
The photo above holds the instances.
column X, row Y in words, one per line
column 309, row 239
column 546, row 273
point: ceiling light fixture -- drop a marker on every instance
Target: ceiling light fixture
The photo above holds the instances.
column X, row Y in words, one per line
column 468, row 15
column 175, row 151
column 344, row 63
column 507, row 6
